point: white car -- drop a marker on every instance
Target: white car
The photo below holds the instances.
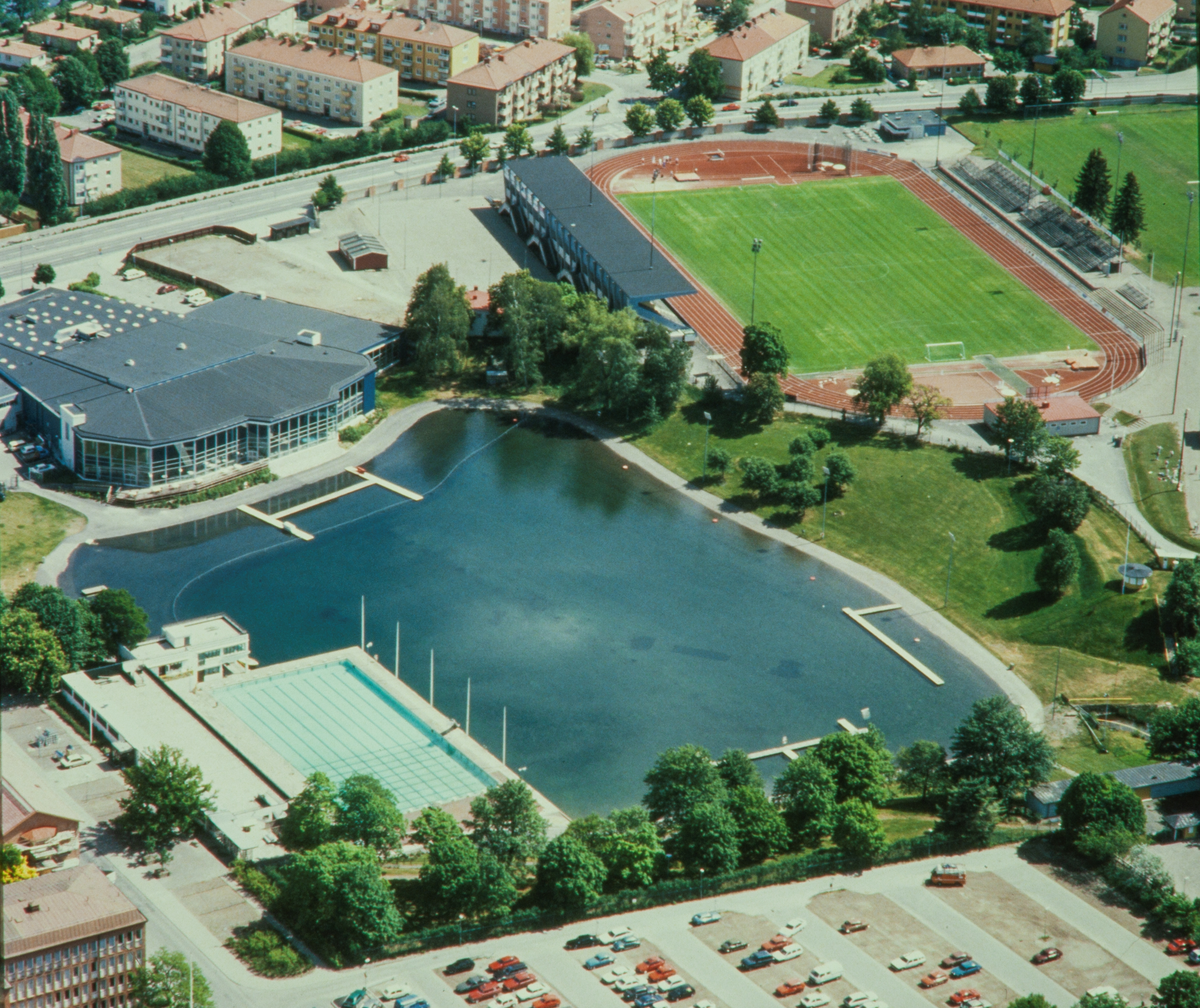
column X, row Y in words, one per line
column 532, row 992
column 978, row 1003
column 506, row 1000
column 1105, row 992
column 817, row 999
column 623, row 984
column 392, row 991
column 859, row 998
column 788, row 953
column 614, row 974
column 74, row 759
column 794, row 926
column 608, row 937
column 704, row 1004
column 909, row 961
column 670, row 984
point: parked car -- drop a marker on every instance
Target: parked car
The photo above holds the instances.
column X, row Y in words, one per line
column 509, row 970
column 793, row 927
column 621, row 944
column 506, row 1000
column 76, row 758
column 532, row 992
column 614, row 974
column 167, row 288
column 789, row 102
column 965, row 969
column 1194, row 957
column 731, row 107
column 707, row 917
column 411, row 1001
column 964, row 995
column 850, row 926
column 664, row 972
column 518, row 981
column 1180, row 946
column 32, row 453
column 934, row 979
column 954, row 958
column 731, row 945
column 788, row 953
column 670, row 984
column 789, row 987
column 468, row 985
column 977, row 1003
column 817, row 999
column 681, row 992
column 393, row 991
column 859, row 998
column 628, row 982
column 756, row 960
column 601, row 959
column 582, row 942
column 610, row 936
column 910, row 960
column 776, row 943
column 484, row 992
column 650, row 964
column 41, row 469
column 1105, row 992
column 1047, row 955
column 549, row 1001
column 635, row 992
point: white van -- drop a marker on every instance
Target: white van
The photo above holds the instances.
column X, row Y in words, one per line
column 825, row 972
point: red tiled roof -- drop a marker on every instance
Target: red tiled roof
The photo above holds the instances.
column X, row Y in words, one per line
column 199, row 99
column 229, row 19
column 393, row 24
column 62, row 29
column 1044, row 8
column 308, row 56
column 755, row 36
column 936, row 56
column 103, row 12
column 74, row 145
column 526, row 57
column 26, row 49
column 1070, row 407
column 1148, row 11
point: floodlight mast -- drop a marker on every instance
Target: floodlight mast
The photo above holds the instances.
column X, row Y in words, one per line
column 755, row 247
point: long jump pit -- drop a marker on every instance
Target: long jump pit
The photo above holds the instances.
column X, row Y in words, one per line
column 724, row 161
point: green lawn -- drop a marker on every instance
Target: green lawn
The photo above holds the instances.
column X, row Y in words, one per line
column 822, row 82
column 1151, row 455
column 1079, row 752
column 850, row 269
column 140, row 169
column 295, row 140
column 1159, row 148
column 30, row 527
column 895, row 519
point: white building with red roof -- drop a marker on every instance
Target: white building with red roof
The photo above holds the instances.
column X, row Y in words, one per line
column 830, row 19
column 1065, row 415
column 924, row 62
column 62, row 36
column 15, row 54
column 765, row 48
column 633, row 29
column 195, row 50
column 1131, row 33
column 515, row 84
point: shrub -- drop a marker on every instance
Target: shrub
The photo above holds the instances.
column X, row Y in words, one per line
column 255, row 883
column 265, row 951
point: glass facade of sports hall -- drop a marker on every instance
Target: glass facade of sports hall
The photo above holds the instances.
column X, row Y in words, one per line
column 140, row 466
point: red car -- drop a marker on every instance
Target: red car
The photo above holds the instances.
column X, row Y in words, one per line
column 651, row 964
column 500, row 963
column 1180, row 946
column 1047, row 955
column 731, row 107
column 934, row 979
column 953, row 959
column 966, row 994
column 776, row 943
column 519, row 981
column 548, row 1001
column 167, row 288
column 484, row 992
column 664, row 972
column 789, row 987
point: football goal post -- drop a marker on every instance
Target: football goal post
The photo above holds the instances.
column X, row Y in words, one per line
column 935, row 352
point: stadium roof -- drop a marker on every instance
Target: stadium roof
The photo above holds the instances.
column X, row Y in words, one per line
column 601, row 227
column 149, row 377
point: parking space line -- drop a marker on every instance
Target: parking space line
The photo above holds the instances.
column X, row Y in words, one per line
column 706, row 968
column 997, row 958
column 1137, row 954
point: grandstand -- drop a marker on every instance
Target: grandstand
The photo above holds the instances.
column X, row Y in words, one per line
column 1073, row 239
column 995, row 183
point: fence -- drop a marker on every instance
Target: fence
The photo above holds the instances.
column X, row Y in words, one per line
column 1068, row 108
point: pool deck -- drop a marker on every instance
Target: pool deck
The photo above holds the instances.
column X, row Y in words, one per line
column 205, row 703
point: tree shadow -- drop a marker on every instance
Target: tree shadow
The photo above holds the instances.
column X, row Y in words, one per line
column 1142, row 633
column 979, row 467
column 1024, row 604
column 1019, row 538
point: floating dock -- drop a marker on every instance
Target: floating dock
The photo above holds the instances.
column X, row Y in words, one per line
column 858, row 614
column 368, row 479
column 790, row 750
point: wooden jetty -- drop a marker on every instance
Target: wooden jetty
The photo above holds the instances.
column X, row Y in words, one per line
column 858, row 614
column 790, row 750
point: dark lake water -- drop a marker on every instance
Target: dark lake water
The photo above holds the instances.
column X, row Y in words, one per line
column 609, row 613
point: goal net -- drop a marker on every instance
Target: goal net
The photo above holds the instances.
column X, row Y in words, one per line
column 935, row 352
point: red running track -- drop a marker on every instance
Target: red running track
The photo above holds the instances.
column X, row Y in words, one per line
column 750, row 159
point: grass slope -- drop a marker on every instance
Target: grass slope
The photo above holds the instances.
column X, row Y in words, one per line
column 1157, row 498
column 850, row 269
column 1159, row 148
column 895, row 519
column 30, row 527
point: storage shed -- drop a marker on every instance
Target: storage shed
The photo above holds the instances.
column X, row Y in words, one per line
column 911, row 125
column 363, row 251
column 290, row 228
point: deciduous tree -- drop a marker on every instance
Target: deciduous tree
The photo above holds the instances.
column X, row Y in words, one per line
column 1057, row 457
column 1101, row 803
column 585, row 140
column 43, row 273
column 112, row 61
column 970, row 103
column 841, row 469
column 438, row 320
column 569, row 876
column 31, row 658
column 1187, row 656
column 706, row 839
column 969, row 812
column 506, row 822
column 76, row 81
column 585, row 52
column 227, row 153
column 856, row 831
column 367, row 814
column 122, row 620
column 681, row 779
column 927, row 404
column 167, row 799
column 13, row 865
column 475, row 147
column 1001, row 93
column 922, row 767
column 761, row 831
column 1069, row 85
column 736, row 770
column 71, row 621
column 669, row 115
column 518, row 140
column 168, row 980
column 1060, row 503
column 732, row 15
column 445, row 168
column 309, row 820
column 1020, row 420
column 884, row 384
column 1180, row 989
column 663, row 74
column 1175, row 732
column 639, row 120
column 433, row 825
column 806, row 793
column 997, row 744
column 699, row 110
column 628, row 844
column 763, row 349
column 758, row 474
column 703, row 75
column 1058, row 567
column 1181, row 600
column 762, row 398
column 861, row 108
column 459, row 878
column 859, row 768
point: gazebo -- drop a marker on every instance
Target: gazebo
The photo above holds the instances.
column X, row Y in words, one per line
column 1136, row 575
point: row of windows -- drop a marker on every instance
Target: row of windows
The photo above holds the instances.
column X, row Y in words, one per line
column 113, row 992
column 32, row 965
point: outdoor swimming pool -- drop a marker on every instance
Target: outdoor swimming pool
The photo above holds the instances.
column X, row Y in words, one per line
column 333, row 718
column 605, row 610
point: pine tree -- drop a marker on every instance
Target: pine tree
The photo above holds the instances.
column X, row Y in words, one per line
column 46, row 185
column 12, row 146
column 1093, row 186
column 1128, row 213
column 558, row 142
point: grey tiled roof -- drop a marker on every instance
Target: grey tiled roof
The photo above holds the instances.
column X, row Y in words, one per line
column 1150, row 775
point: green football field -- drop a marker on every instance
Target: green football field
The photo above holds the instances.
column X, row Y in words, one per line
column 852, row 268
column 1159, row 148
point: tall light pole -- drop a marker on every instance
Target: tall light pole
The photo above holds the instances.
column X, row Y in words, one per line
column 707, row 428
column 653, row 219
column 1187, row 233
column 825, row 502
column 1008, row 455
column 755, row 247
column 949, row 569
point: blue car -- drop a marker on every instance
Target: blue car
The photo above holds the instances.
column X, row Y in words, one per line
column 621, row 944
column 966, row 969
column 411, row 1001
column 645, row 1000
column 756, row 960
column 636, row 992
column 603, row 959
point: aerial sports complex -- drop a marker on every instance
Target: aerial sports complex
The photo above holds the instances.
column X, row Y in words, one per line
column 851, row 253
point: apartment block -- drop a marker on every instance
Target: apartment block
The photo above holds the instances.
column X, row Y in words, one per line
column 196, row 49
column 1131, row 33
column 62, row 36
column 418, row 48
column 515, row 84
column 633, row 29
column 548, row 19
column 937, row 61
column 829, row 19
column 91, row 167
column 97, row 14
column 14, row 55
column 305, row 78
column 71, row 939
column 763, row 49
column 1003, row 21
column 172, row 111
